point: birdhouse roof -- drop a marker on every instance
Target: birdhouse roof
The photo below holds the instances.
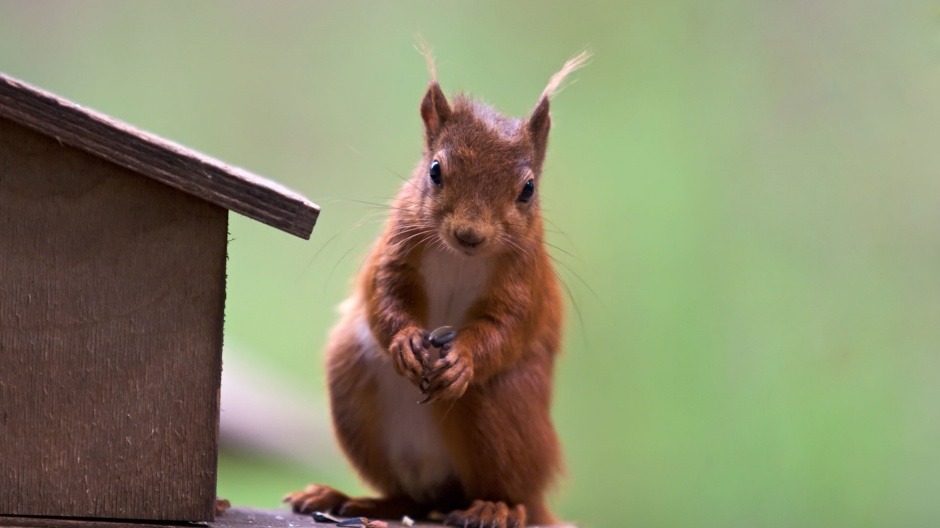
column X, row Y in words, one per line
column 187, row 170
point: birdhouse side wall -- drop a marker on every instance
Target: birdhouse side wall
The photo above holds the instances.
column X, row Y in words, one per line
column 112, row 291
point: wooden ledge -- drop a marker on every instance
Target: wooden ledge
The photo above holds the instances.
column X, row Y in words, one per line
column 233, row 518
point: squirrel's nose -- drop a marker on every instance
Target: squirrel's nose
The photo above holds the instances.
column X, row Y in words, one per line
column 468, row 237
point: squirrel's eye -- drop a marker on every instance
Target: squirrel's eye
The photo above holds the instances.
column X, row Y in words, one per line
column 527, row 191
column 435, row 172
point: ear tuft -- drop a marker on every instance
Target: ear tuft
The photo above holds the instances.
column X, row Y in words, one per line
column 434, row 108
column 425, row 50
column 574, row 63
column 434, row 111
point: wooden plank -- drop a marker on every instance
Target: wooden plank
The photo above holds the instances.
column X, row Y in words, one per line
column 62, row 522
column 167, row 162
column 233, row 518
column 112, row 290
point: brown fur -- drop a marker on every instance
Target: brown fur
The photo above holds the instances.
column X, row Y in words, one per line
column 490, row 391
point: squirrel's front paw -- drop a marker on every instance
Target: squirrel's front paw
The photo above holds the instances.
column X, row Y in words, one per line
column 449, row 377
column 409, row 352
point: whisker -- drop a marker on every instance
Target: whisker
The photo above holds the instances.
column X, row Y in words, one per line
column 574, row 304
column 399, row 243
column 420, row 190
column 571, row 270
column 335, row 266
column 513, row 244
column 558, row 248
column 380, row 205
column 315, row 255
column 558, row 230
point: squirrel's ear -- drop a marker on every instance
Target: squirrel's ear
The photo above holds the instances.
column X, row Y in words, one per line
column 434, row 111
column 538, row 125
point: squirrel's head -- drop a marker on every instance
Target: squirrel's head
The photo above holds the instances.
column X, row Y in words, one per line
column 480, row 173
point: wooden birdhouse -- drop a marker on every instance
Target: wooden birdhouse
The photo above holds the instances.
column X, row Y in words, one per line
column 112, row 291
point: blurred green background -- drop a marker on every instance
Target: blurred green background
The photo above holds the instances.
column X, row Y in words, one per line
column 745, row 199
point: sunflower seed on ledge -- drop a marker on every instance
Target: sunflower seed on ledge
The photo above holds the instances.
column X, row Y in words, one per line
column 324, row 517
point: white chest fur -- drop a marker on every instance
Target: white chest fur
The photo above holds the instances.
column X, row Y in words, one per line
column 453, row 283
column 415, row 450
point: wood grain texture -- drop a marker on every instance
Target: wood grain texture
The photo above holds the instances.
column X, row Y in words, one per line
column 229, row 187
column 233, row 518
column 112, row 288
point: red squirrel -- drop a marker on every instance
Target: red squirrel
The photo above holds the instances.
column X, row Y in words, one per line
column 464, row 247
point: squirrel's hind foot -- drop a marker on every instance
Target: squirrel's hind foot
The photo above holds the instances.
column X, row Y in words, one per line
column 316, row 498
column 326, row 499
column 486, row 514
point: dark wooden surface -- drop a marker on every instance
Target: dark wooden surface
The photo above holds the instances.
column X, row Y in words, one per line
column 112, row 290
column 233, row 518
column 229, row 187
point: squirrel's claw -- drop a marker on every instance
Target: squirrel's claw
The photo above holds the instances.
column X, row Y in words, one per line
column 409, row 353
column 315, row 498
column 488, row 514
column 449, row 378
